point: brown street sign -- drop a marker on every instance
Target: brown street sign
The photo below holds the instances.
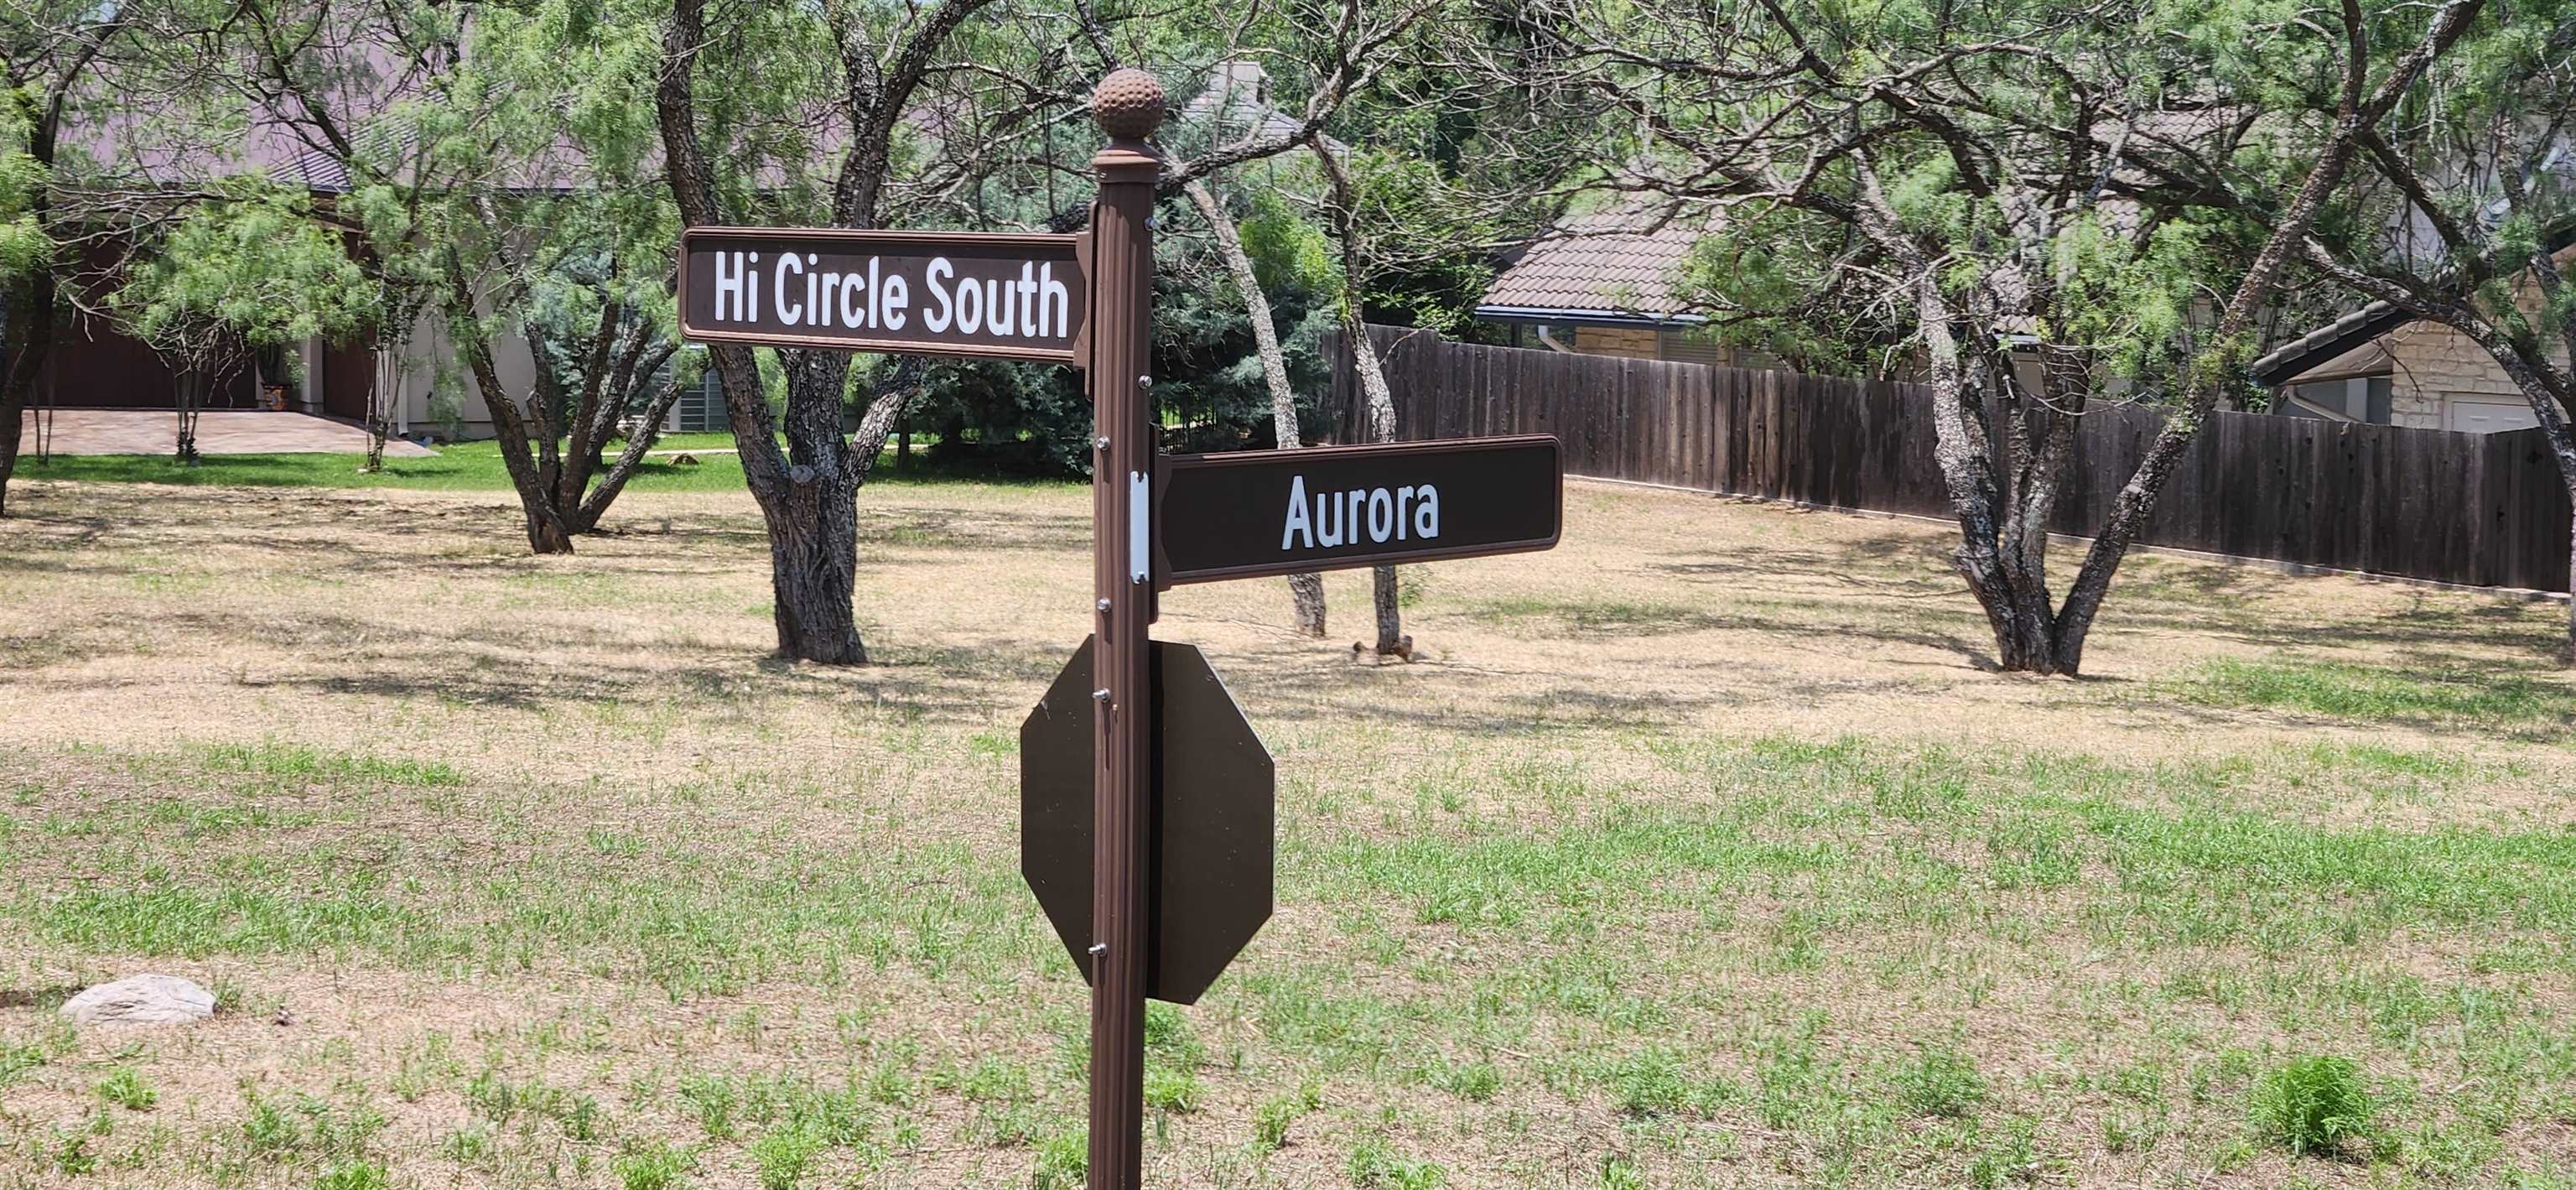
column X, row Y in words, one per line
column 982, row 296
column 1256, row 513
column 1213, row 806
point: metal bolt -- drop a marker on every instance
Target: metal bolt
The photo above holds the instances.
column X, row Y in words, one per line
column 1100, row 948
column 1101, row 442
column 1103, row 605
column 1144, row 382
column 1100, row 695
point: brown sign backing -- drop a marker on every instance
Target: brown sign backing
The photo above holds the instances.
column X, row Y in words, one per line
column 982, row 296
column 1255, row 513
column 1213, row 812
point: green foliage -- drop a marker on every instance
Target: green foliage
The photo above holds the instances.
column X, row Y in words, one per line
column 255, row 266
column 784, row 1156
column 1064, row 1160
column 653, row 1165
column 125, row 1088
column 1173, row 1090
column 23, row 242
column 1277, row 1114
column 1650, row 1082
column 1375, row 1165
column 354, row 1175
column 1940, row 1082
column 2311, row 1105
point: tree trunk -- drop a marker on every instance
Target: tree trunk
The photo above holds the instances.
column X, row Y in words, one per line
column 1305, row 591
column 1386, row 595
column 12, row 425
column 1391, row 640
column 808, row 493
column 813, row 566
column 629, row 460
column 382, row 399
column 1306, row 600
column 189, row 386
column 27, row 335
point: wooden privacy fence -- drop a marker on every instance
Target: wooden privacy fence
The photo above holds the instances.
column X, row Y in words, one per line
column 2483, row 510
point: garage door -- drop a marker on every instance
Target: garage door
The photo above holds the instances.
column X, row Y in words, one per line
column 2490, row 417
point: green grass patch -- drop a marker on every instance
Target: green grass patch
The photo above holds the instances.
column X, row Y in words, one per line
column 2311, row 1105
column 477, row 467
column 291, row 762
column 2381, row 694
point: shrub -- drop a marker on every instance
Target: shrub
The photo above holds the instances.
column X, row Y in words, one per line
column 2312, row 1104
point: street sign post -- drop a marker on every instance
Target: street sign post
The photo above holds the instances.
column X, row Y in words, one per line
column 1147, row 803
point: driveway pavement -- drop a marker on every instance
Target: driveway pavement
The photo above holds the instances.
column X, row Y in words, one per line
column 219, row 432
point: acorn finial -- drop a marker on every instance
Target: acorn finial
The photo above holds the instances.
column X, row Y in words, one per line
column 1128, row 104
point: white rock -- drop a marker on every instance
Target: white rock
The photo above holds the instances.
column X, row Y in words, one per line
column 141, row 1000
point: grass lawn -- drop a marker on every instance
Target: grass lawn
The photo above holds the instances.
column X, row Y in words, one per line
column 460, row 467
column 1696, row 853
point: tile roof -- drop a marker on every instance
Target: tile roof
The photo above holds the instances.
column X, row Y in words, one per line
column 2327, row 342
column 1603, row 263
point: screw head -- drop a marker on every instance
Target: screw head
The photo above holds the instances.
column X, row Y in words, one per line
column 1128, row 105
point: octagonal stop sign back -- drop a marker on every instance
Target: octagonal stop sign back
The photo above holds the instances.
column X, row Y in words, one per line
column 1213, row 814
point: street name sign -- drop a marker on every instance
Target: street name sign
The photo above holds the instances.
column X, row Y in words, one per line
column 1214, row 806
column 970, row 294
column 1269, row 512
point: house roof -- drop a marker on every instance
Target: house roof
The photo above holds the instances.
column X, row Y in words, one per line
column 2331, row 343
column 1609, row 268
column 1605, row 267
column 2327, row 343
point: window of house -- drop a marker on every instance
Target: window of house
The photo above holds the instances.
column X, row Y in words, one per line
column 2359, row 398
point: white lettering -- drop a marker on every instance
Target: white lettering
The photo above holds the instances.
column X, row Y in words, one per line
column 1381, row 515
column 778, row 290
column 1001, row 315
column 1403, row 510
column 1298, row 521
column 1328, row 529
column 1028, row 299
column 815, row 314
column 751, row 291
column 937, row 322
column 1426, row 515
column 854, row 300
column 896, row 298
column 728, row 286
column 970, row 313
column 1052, row 295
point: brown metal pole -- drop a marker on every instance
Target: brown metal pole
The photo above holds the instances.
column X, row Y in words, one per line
column 1128, row 106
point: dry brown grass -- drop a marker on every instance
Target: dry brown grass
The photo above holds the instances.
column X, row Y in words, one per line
column 616, row 732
